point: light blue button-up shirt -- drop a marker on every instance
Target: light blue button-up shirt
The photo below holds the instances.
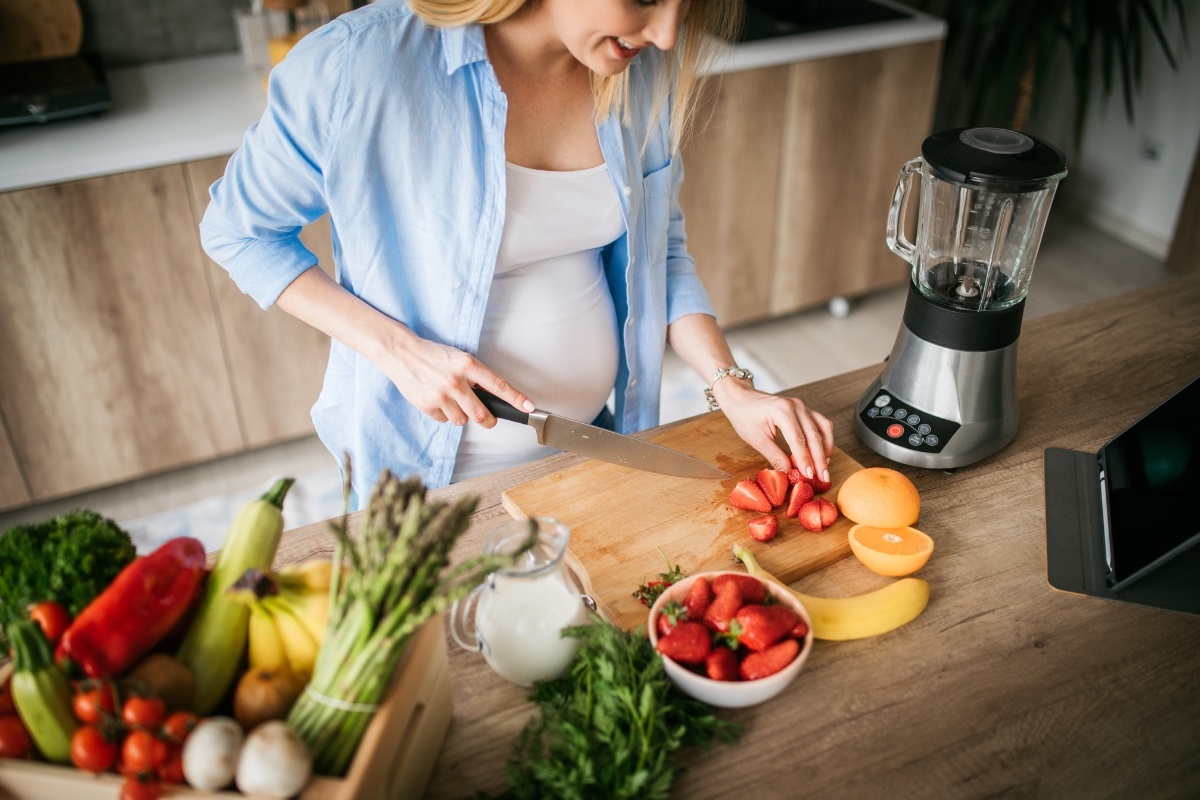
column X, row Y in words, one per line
column 397, row 130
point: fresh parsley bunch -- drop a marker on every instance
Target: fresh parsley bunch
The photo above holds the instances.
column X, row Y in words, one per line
column 610, row 726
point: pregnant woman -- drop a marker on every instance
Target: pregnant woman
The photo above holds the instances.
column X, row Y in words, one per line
column 502, row 178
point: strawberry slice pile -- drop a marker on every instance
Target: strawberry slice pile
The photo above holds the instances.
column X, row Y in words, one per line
column 730, row 629
column 794, row 490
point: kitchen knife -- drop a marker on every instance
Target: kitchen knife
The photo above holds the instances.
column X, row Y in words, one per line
column 600, row 444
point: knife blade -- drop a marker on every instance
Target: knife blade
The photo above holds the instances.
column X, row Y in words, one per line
column 603, row 445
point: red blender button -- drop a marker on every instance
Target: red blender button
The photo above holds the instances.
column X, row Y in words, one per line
column 895, row 431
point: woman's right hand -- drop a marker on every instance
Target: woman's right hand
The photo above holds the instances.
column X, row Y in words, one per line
column 435, row 378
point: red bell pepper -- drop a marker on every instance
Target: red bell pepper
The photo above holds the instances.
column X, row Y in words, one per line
column 135, row 611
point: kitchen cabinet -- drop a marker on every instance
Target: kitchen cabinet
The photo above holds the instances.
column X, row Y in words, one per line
column 112, row 365
column 787, row 190
column 12, row 485
column 276, row 362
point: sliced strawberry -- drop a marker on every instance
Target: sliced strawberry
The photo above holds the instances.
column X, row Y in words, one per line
column 751, row 587
column 763, row 626
column 817, row 515
column 721, row 664
column 800, row 630
column 689, row 643
column 802, row 492
column 769, row 661
column 763, row 529
column 724, row 606
column 820, row 486
column 794, row 476
column 774, row 485
column 748, row 497
column 670, row 616
column 697, row 600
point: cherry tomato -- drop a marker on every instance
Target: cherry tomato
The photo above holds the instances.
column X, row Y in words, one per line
column 179, row 726
column 53, row 619
column 95, row 703
column 91, row 751
column 144, row 712
column 14, row 739
column 141, row 753
column 6, row 701
column 171, row 770
column 134, row 789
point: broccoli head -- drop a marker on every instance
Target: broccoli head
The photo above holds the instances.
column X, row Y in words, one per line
column 70, row 559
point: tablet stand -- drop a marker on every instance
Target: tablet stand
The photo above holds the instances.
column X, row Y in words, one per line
column 1075, row 542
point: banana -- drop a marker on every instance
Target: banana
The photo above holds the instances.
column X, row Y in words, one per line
column 298, row 643
column 266, row 645
column 309, row 576
column 858, row 617
column 311, row 608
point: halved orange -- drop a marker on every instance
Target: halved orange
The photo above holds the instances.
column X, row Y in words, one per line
column 891, row 551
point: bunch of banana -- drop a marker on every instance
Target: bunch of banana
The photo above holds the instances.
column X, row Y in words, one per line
column 869, row 614
column 288, row 613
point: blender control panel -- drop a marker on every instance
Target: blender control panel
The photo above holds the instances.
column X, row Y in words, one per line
column 889, row 417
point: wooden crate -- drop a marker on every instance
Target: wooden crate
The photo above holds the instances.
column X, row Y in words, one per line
column 394, row 760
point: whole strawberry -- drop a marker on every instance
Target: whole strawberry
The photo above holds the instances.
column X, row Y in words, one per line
column 689, row 643
column 669, row 617
column 698, row 598
column 721, row 664
column 752, row 588
column 769, row 661
column 724, row 606
column 800, row 630
column 763, row 626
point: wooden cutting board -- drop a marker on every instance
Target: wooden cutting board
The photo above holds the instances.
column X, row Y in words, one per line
column 618, row 516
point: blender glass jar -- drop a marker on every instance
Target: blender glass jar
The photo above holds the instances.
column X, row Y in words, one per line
column 985, row 196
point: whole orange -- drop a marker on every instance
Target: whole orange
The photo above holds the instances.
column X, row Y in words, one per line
column 880, row 497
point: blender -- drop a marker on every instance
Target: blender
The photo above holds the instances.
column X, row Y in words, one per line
column 947, row 396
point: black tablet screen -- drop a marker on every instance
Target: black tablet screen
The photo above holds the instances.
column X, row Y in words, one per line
column 1153, row 483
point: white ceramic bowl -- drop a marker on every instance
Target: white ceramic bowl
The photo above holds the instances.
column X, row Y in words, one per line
column 730, row 694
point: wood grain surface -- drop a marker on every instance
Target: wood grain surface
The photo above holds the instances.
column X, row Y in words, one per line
column 730, row 194
column 852, row 122
column 39, row 29
column 1003, row 687
column 111, row 365
column 276, row 362
column 619, row 517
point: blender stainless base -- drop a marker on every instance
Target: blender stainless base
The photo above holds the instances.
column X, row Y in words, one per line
column 925, row 381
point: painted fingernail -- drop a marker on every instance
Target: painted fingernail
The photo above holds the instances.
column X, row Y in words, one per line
column 528, row 405
column 825, row 476
column 808, row 473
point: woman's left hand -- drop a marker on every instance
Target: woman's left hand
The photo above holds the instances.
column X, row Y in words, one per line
column 757, row 416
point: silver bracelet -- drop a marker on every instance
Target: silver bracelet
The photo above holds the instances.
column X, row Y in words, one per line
column 736, row 372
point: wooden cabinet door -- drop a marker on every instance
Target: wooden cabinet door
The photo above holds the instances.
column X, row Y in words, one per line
column 111, row 363
column 730, row 188
column 12, row 486
column 277, row 362
column 852, row 122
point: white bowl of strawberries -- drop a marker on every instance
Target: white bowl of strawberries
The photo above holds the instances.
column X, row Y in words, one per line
column 729, row 639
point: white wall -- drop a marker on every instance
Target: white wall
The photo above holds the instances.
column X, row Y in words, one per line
column 1114, row 182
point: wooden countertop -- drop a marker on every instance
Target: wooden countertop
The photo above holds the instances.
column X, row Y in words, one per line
column 1003, row 687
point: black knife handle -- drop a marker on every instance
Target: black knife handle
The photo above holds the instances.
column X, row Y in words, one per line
column 500, row 409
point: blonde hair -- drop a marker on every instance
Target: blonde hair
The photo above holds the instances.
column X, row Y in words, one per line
column 708, row 25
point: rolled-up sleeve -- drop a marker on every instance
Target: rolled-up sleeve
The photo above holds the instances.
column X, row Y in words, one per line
column 685, row 293
column 275, row 182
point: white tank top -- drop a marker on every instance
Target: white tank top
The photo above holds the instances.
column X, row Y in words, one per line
column 550, row 328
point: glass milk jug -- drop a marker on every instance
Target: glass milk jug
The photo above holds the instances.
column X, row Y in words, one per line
column 520, row 610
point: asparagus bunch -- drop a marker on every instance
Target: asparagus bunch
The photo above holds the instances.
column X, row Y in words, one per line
column 391, row 588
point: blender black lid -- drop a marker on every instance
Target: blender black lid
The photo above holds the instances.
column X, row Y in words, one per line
column 994, row 156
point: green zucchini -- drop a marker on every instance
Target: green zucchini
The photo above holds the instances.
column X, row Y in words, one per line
column 41, row 693
column 216, row 640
